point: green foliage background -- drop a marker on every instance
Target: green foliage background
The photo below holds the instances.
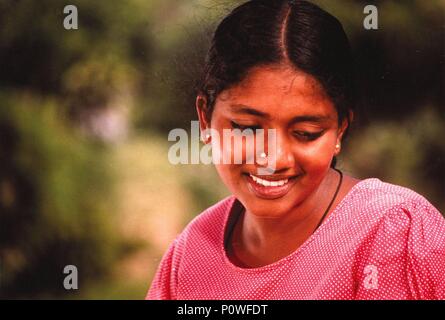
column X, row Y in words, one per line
column 75, row 189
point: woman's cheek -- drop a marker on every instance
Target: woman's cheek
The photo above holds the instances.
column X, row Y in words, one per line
column 316, row 157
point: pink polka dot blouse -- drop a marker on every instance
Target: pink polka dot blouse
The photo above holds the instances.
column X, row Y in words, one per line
column 381, row 242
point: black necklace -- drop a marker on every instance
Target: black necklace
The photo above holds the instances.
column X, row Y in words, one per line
column 333, row 199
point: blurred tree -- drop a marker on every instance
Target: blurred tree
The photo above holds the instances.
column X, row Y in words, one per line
column 86, row 68
column 410, row 153
column 55, row 207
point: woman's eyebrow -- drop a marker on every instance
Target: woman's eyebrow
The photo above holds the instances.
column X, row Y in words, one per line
column 241, row 108
column 310, row 118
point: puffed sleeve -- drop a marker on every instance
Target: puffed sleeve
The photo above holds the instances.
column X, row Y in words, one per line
column 426, row 253
column 163, row 286
column 406, row 254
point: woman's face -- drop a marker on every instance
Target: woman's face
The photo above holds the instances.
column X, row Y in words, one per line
column 306, row 129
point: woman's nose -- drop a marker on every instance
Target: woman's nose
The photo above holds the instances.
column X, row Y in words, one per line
column 278, row 153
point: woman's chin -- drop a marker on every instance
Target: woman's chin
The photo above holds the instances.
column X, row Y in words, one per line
column 268, row 208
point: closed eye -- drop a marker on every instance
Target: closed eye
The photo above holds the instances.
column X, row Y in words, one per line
column 307, row 136
column 244, row 127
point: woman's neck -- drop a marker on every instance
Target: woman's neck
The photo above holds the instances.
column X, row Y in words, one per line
column 258, row 240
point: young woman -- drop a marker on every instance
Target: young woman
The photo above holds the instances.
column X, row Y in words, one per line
column 305, row 230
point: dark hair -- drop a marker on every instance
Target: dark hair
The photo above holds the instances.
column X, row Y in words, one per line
column 297, row 33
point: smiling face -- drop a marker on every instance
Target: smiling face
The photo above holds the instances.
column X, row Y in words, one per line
column 307, row 132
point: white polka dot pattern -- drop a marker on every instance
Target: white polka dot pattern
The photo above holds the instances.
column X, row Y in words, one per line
column 381, row 242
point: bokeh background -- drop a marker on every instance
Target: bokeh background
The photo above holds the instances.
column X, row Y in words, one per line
column 84, row 118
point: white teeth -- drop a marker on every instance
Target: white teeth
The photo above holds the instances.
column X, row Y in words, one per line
column 268, row 183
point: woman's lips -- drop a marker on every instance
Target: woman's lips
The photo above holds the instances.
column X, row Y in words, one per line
column 269, row 188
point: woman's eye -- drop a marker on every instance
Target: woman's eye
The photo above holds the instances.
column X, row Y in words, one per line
column 244, row 127
column 307, row 136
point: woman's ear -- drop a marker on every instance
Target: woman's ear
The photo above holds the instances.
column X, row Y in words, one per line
column 342, row 129
column 344, row 126
column 202, row 110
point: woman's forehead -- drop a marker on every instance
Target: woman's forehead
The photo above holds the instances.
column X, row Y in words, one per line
column 271, row 90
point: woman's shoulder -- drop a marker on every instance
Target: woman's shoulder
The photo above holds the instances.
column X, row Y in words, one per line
column 393, row 204
column 373, row 192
